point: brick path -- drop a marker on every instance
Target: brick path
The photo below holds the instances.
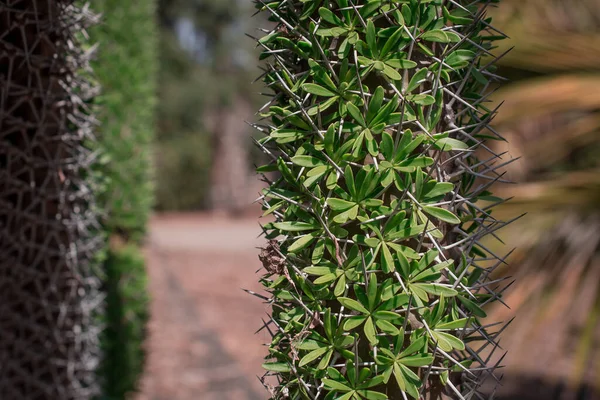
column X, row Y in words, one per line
column 202, row 344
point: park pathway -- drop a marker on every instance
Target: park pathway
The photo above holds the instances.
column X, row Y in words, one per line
column 201, row 343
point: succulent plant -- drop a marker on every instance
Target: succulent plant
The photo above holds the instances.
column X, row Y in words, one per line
column 554, row 127
column 375, row 271
column 48, row 228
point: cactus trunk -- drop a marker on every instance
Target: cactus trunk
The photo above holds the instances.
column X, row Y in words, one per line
column 375, row 268
column 47, row 224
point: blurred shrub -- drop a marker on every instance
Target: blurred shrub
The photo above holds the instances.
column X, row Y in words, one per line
column 126, row 315
column 125, row 67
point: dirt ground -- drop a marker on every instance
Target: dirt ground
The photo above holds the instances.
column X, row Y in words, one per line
column 202, row 342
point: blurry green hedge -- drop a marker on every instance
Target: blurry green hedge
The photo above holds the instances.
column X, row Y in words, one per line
column 125, row 66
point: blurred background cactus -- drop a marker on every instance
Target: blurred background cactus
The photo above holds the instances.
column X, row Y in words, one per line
column 551, row 119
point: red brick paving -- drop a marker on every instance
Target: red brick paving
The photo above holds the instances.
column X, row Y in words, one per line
column 201, row 343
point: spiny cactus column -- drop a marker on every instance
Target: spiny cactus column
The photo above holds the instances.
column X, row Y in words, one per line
column 375, row 267
column 47, row 243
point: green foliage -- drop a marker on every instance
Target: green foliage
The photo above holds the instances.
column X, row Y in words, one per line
column 126, row 316
column 126, row 69
column 374, row 266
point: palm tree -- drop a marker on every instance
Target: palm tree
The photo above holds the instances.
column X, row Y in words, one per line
column 551, row 117
column 47, row 223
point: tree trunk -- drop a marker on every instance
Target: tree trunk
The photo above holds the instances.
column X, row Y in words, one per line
column 47, row 242
column 230, row 173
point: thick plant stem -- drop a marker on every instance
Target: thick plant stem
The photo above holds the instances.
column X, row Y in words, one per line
column 48, row 289
column 375, row 267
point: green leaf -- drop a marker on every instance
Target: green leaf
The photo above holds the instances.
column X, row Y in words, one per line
column 458, row 324
column 399, row 377
column 401, row 63
column 325, row 360
column 387, row 146
column 386, row 315
column 309, row 345
column 295, row 226
column 325, row 279
column 339, row 204
column 391, row 72
column 365, row 61
column 353, row 322
column 371, row 395
column 387, row 261
column 340, row 286
column 352, row 304
column 301, row 243
column 313, row 355
column 394, row 303
column 448, row 144
column 447, row 342
column 371, row 242
column 441, row 214
column 412, row 380
column 421, row 99
column 375, row 103
column 335, row 385
column 313, row 88
column 320, row 107
column 369, row 330
column 372, row 291
column 460, row 58
column 329, row 16
column 440, row 188
column 356, row 114
column 416, row 361
column 318, row 252
column 419, row 77
column 404, row 265
column 307, row 161
column 337, row 31
column 437, row 289
column 436, row 35
column 387, row 327
column 372, row 37
column 407, row 232
column 473, row 307
column 287, row 135
column 347, row 396
column 414, row 346
column 391, row 42
column 277, row 367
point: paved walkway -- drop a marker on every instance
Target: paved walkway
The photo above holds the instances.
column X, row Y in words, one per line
column 202, row 344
